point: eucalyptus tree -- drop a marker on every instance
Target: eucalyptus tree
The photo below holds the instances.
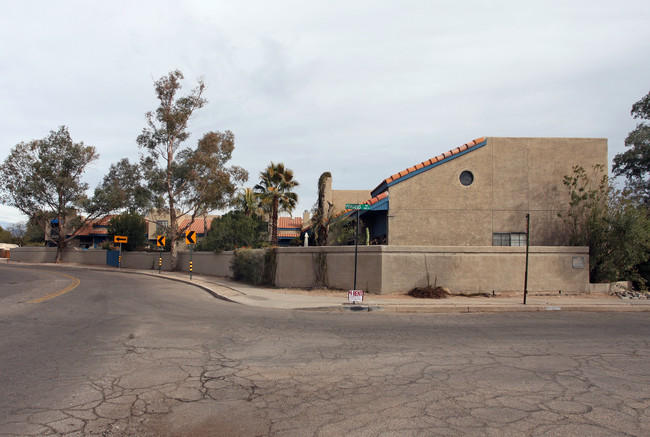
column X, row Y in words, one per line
column 122, row 189
column 275, row 192
column 42, row 178
column 186, row 181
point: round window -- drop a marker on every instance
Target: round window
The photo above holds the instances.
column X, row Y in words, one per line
column 466, row 178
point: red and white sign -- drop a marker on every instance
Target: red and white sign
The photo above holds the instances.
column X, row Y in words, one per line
column 355, row 295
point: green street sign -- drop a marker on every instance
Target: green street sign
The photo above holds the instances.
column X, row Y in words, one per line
column 361, row 206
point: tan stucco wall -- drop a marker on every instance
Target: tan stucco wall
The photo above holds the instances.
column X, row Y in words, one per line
column 381, row 269
column 395, row 269
column 341, row 197
column 512, row 177
column 34, row 254
column 296, row 267
column 208, row 263
column 48, row 255
column 483, row 269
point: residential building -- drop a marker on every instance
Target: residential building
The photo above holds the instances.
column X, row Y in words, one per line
column 289, row 228
column 479, row 194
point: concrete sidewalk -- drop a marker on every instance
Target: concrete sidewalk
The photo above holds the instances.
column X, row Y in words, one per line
column 332, row 300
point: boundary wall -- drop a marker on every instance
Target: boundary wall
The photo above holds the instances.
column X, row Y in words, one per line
column 381, row 269
column 207, row 263
column 397, row 269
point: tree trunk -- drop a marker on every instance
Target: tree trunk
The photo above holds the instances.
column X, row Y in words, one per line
column 173, row 236
column 274, row 220
column 59, row 253
column 60, row 242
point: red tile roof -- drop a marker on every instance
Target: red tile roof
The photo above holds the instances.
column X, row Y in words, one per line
column 96, row 227
column 376, row 199
column 467, row 146
column 196, row 225
column 290, row 223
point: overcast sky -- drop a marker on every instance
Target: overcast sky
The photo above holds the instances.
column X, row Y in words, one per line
column 363, row 89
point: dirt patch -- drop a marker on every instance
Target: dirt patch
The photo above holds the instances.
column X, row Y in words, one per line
column 474, row 294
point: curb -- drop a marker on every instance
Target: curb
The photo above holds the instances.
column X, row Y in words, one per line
column 394, row 308
column 475, row 309
column 431, row 309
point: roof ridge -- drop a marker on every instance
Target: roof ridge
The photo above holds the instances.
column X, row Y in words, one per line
column 430, row 162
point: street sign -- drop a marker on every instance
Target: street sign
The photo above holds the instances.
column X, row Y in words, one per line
column 190, row 237
column 120, row 239
column 361, row 206
column 161, row 240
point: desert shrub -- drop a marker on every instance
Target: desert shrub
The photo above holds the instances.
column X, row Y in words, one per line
column 429, row 292
column 248, row 265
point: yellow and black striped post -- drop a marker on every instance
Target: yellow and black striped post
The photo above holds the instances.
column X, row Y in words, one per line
column 190, row 262
column 160, row 262
column 190, row 239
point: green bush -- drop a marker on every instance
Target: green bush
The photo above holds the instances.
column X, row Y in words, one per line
column 248, row 265
column 235, row 230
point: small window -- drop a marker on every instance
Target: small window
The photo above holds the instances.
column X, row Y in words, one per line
column 518, row 239
column 466, row 178
column 509, row 239
column 500, row 239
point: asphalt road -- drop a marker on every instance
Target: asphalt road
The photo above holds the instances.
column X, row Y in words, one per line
column 124, row 354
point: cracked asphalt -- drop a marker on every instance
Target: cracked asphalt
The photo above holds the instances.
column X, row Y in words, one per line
column 125, row 355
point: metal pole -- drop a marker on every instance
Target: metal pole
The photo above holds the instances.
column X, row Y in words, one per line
column 160, row 261
column 190, row 262
column 119, row 258
column 527, row 250
column 356, row 248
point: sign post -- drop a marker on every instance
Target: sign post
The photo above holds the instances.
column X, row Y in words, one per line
column 357, row 207
column 120, row 239
column 527, row 250
column 160, row 241
column 190, row 239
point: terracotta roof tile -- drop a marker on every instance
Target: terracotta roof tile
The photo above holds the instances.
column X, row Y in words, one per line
column 377, row 198
column 290, row 223
column 96, row 227
column 196, row 225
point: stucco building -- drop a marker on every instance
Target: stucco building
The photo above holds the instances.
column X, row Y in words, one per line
column 478, row 194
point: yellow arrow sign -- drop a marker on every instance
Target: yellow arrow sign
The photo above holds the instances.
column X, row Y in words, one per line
column 190, row 237
column 161, row 240
column 120, row 239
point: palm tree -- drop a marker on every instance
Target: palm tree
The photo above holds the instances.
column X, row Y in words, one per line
column 247, row 202
column 274, row 191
